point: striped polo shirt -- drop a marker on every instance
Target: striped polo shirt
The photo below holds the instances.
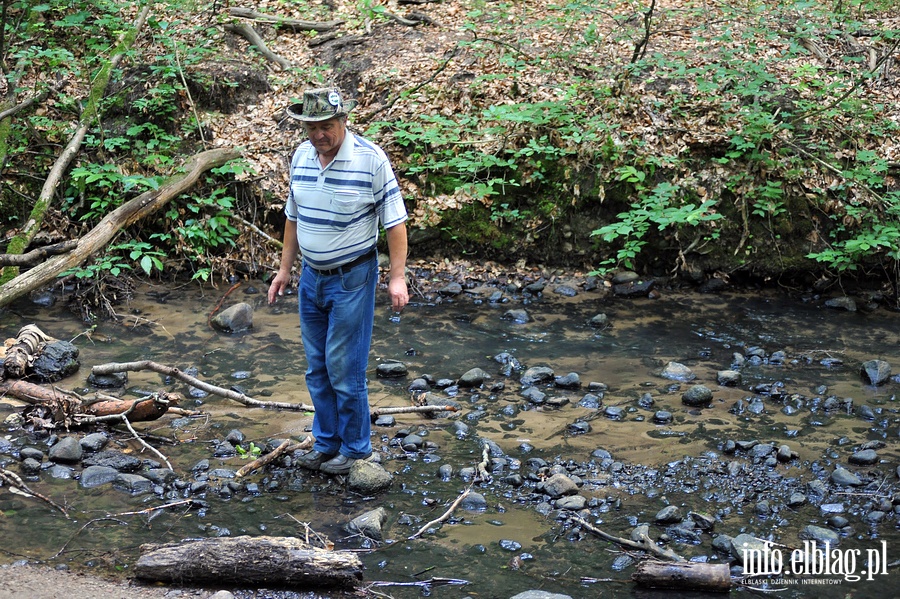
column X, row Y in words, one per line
column 337, row 208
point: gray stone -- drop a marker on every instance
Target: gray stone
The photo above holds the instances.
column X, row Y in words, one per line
column 747, row 542
column 536, row 375
column 517, row 315
column 367, row 478
column 697, row 396
column 94, row 476
column 539, row 595
column 160, row 476
column 534, row 395
column 819, row 534
column 473, row 378
column 391, row 370
column 559, row 485
column 30, row 467
column 675, row 371
column 571, row 503
column 876, row 372
column 67, row 451
column 569, row 381
column 61, row 472
column 669, row 515
column 94, row 442
column 133, row 484
column 451, row 290
column 663, row 417
column 56, row 361
column 785, row 454
column 841, row 303
column 114, row 459
column 762, row 450
column 599, row 321
column 474, row 502
column 33, row 453
column 728, row 378
column 234, row 319
column 842, row 476
column 866, row 457
column 369, row 524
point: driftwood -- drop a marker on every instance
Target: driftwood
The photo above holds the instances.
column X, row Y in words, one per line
column 176, row 373
column 285, row 447
column 282, row 22
column 443, row 517
column 248, row 561
column 644, row 544
column 123, row 216
column 686, row 576
column 28, row 344
column 68, row 408
column 12, row 479
column 247, row 32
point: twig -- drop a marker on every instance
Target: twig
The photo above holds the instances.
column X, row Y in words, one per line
column 443, row 516
column 258, row 231
column 426, row 584
column 148, row 510
column 13, row 480
column 481, row 467
column 144, row 443
column 645, row 544
column 285, row 447
column 219, row 303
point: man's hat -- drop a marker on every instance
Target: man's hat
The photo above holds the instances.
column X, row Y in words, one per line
column 320, row 105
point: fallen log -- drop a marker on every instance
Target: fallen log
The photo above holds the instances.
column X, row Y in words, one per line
column 284, row 22
column 248, row 561
column 685, row 576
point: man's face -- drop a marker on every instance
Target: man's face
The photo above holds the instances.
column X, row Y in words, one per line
column 327, row 136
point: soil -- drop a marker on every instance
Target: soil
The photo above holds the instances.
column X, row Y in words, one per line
column 41, row 582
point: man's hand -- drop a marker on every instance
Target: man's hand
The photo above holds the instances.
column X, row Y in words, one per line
column 398, row 293
column 278, row 285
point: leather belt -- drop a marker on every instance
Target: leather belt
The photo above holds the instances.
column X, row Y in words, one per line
column 344, row 267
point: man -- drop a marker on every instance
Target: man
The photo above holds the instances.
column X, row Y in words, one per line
column 341, row 187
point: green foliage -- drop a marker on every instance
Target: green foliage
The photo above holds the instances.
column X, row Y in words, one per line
column 252, row 451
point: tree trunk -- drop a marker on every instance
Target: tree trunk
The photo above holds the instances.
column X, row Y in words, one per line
column 248, row 561
column 123, row 216
column 686, row 576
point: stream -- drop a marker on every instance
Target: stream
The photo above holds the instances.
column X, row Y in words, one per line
column 629, row 463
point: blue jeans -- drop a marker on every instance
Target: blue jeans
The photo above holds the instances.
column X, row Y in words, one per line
column 337, row 313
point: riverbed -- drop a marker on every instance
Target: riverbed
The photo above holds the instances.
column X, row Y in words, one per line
column 793, row 355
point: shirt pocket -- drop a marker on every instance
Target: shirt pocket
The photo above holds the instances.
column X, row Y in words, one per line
column 346, row 202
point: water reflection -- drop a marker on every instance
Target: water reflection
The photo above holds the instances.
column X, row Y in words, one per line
column 823, row 350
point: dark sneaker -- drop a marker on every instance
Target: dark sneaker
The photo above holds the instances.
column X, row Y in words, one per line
column 339, row 464
column 312, row 460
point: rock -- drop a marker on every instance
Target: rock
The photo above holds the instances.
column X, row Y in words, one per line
column 67, row 451
column 94, row 442
column 559, row 485
column 569, row 381
column 841, row 303
column 160, row 476
column 57, row 361
column 676, row 371
column 451, row 290
column 133, row 484
column 474, row 502
column 728, row 378
column 866, row 457
column 565, row 290
column 368, row 478
column 33, row 453
column 599, row 321
column 391, row 370
column 30, row 467
column 796, row 500
column 536, row 375
column 876, row 372
column 747, row 542
column 517, row 315
column 614, row 413
column 843, row 477
column 697, row 396
column 473, row 378
column 540, row 595
column 369, row 524
column 634, row 289
column 571, row 503
column 762, row 450
column 234, row 319
column 663, row 417
column 785, row 454
column 534, row 395
column 820, row 535
column 114, row 459
column 115, row 380
column 94, row 476
column 668, row 515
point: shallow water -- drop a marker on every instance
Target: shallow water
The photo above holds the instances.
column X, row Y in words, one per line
column 700, row 331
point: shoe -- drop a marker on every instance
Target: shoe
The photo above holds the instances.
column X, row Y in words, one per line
column 312, row 460
column 339, row 464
